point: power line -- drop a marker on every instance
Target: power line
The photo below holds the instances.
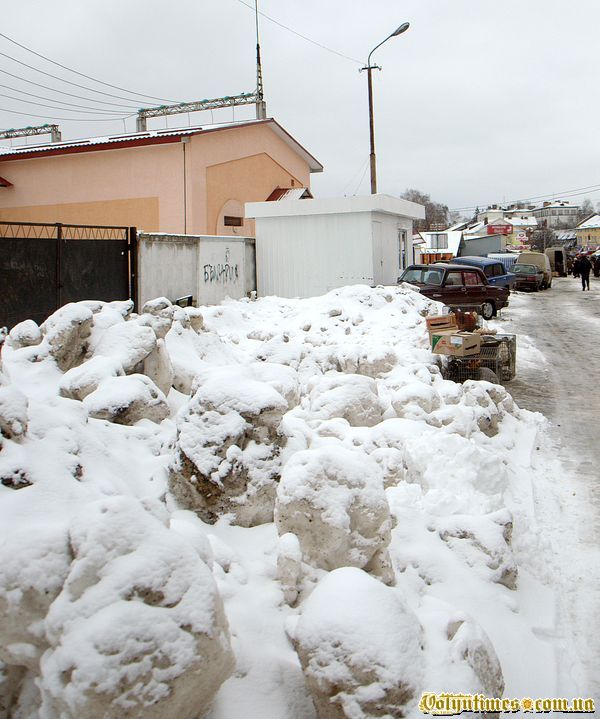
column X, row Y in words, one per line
column 55, row 107
column 68, row 119
column 60, row 79
column 62, row 102
column 299, row 34
column 62, row 92
column 81, row 74
column 567, row 193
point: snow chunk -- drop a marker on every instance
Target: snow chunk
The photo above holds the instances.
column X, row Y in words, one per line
column 139, row 625
column 126, row 400
column 360, row 648
column 67, row 332
column 34, row 562
column 228, row 447
column 13, row 412
column 333, row 500
column 127, row 343
column 25, row 334
column 80, row 381
column 351, row 397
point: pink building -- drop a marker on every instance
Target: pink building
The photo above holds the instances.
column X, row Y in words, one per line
column 194, row 180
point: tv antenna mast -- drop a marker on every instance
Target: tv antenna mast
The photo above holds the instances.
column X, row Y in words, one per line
column 245, row 98
column 261, row 105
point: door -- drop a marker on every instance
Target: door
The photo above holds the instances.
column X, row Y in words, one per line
column 377, row 234
column 475, row 289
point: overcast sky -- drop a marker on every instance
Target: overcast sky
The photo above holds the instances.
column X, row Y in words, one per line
column 480, row 101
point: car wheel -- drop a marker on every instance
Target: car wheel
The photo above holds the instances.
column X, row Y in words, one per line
column 488, row 310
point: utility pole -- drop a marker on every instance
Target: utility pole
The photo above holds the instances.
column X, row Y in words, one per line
column 368, row 67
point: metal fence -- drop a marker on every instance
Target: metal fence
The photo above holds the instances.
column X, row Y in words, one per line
column 44, row 266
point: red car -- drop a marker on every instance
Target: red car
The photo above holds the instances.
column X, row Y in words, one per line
column 457, row 286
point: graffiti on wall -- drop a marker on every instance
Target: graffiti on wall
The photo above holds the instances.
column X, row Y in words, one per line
column 221, row 273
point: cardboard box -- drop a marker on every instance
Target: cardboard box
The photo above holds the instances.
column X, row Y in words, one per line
column 455, row 344
column 441, row 322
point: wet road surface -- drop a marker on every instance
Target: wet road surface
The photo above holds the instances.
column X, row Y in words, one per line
column 563, row 323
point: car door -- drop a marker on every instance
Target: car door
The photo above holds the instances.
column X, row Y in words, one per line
column 476, row 290
column 453, row 291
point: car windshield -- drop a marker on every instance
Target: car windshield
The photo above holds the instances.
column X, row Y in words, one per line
column 524, row 269
column 423, row 276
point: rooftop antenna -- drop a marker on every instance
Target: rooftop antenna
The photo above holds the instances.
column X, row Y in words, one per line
column 46, row 129
column 261, row 105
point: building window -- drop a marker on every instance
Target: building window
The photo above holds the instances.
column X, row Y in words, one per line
column 439, row 242
column 230, row 221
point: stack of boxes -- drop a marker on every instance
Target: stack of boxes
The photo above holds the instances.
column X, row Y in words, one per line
column 447, row 339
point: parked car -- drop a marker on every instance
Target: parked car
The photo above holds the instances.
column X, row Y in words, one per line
column 457, row 287
column 540, row 260
column 494, row 270
column 529, row 277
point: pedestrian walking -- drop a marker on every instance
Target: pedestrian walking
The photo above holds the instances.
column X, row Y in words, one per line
column 582, row 268
column 596, row 261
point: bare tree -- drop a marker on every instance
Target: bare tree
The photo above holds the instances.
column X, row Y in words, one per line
column 542, row 238
column 586, row 210
column 436, row 214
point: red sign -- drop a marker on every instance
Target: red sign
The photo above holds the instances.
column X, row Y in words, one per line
column 499, row 229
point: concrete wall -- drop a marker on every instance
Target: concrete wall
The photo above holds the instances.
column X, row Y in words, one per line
column 208, row 268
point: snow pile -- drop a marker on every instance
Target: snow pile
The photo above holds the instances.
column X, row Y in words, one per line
column 296, row 470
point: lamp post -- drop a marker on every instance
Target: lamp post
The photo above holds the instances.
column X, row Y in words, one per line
column 403, row 28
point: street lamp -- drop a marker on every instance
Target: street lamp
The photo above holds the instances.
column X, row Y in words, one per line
column 403, row 28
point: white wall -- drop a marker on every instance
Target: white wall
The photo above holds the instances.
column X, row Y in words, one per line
column 308, row 255
column 387, row 253
column 208, row 268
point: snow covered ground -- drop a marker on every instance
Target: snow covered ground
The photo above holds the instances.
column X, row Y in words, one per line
column 278, row 506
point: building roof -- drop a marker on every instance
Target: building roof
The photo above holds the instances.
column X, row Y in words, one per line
column 337, row 205
column 555, row 205
column 521, row 221
column 566, row 235
column 151, row 137
column 290, row 193
column 590, row 223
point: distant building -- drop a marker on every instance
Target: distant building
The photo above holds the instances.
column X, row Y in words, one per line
column 556, row 214
column 588, row 232
column 193, row 180
column 434, row 246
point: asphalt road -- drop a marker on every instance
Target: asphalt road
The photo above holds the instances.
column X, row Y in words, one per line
column 562, row 381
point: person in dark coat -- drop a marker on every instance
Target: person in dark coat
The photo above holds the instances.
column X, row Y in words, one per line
column 583, row 267
column 596, row 262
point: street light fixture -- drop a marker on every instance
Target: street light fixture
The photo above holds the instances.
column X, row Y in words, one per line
column 368, row 67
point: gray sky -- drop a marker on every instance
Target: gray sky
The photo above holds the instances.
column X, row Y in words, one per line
column 480, row 101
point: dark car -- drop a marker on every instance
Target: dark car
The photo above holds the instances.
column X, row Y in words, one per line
column 529, row 277
column 457, row 287
column 495, row 272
